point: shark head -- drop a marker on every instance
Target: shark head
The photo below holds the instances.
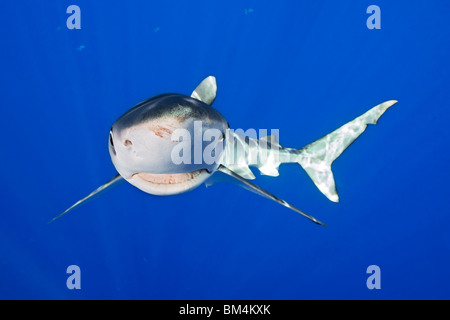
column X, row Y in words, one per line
column 147, row 142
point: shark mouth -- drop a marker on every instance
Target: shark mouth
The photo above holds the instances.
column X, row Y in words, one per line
column 173, row 178
column 168, row 184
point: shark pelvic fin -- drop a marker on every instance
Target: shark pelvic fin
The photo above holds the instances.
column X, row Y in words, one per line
column 317, row 157
column 96, row 192
column 258, row 190
column 206, row 90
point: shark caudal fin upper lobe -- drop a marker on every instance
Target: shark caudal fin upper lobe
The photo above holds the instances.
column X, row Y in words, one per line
column 317, row 157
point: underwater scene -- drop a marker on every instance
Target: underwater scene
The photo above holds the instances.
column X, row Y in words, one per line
column 340, row 189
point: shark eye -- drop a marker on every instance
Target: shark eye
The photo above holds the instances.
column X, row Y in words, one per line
column 127, row 143
column 111, row 142
column 111, row 138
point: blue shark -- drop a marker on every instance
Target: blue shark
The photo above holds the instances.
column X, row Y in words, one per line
column 146, row 142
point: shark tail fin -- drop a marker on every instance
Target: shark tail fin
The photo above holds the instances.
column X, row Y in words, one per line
column 317, row 157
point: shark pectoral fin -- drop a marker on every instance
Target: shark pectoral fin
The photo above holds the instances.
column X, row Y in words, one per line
column 258, row 190
column 96, row 192
column 218, row 178
column 206, row 90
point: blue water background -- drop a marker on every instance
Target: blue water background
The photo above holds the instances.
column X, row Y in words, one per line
column 303, row 67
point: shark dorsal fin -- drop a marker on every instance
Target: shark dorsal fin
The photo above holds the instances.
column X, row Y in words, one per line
column 206, row 90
